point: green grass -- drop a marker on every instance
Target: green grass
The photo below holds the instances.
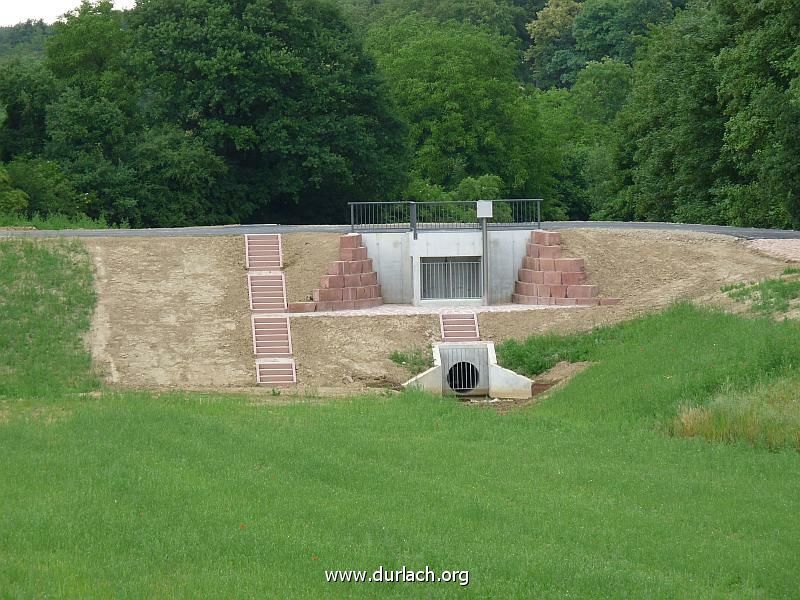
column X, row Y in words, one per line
column 770, row 296
column 766, row 415
column 46, row 302
column 415, row 360
column 54, row 221
column 585, row 494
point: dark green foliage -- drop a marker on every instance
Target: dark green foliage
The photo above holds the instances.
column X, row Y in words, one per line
column 615, row 28
column 710, row 134
column 48, row 188
column 554, row 59
column 455, row 86
column 672, row 129
column 281, row 91
column 24, row 40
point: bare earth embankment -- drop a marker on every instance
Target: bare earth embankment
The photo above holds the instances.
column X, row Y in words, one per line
column 172, row 312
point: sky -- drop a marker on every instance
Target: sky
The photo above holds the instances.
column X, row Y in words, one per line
column 17, row 11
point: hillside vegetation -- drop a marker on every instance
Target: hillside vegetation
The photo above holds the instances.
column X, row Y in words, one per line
column 214, row 111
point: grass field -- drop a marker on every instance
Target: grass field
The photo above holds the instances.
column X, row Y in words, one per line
column 588, row 494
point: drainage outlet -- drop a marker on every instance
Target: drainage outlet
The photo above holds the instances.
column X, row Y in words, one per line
column 465, row 369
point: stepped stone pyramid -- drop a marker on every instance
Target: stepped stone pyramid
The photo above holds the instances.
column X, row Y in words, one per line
column 351, row 282
column 547, row 278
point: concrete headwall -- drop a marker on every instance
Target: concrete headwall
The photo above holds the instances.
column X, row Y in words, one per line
column 396, row 258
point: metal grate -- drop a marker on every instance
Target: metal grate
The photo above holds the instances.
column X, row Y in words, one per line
column 451, row 278
column 465, row 369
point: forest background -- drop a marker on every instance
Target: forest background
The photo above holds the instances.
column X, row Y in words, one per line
column 184, row 112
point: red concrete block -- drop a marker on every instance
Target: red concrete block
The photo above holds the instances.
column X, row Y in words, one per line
column 552, row 277
column 609, row 301
column 362, row 293
column 525, row 275
column 542, row 251
column 356, row 267
column 369, row 278
column 349, row 293
column 359, row 253
column 581, row 291
column 532, row 250
column 329, row 295
column 325, row 306
column 352, row 280
column 522, row 299
column 331, row 281
column 337, row 268
column 344, row 305
column 530, row 263
column 545, row 301
column 558, row 291
column 570, row 265
column 566, row 301
column 543, row 291
column 375, row 302
column 363, row 303
column 586, row 301
column 573, row 278
column 301, row 307
column 525, row 289
column 546, row 238
column 547, row 264
column 373, row 291
column 351, row 240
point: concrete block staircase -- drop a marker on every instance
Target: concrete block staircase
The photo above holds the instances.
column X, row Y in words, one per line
column 548, row 278
column 351, row 282
column 459, row 327
column 272, row 336
column 264, row 252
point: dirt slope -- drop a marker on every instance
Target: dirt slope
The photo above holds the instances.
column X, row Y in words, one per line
column 171, row 312
column 647, row 269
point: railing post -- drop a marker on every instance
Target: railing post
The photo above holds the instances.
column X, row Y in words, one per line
column 352, row 217
column 413, row 218
column 538, row 213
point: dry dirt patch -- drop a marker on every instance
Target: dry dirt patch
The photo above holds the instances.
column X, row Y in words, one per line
column 353, row 352
column 647, row 269
column 306, row 257
column 782, row 249
column 171, row 312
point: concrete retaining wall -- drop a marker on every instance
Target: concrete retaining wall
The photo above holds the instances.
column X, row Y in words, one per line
column 396, row 259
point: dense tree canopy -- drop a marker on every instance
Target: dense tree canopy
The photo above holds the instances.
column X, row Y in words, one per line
column 456, row 87
column 211, row 111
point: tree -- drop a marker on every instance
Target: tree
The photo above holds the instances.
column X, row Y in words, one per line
column 26, row 88
column 673, row 127
column 281, row 91
column 47, row 187
column 615, row 28
column 759, row 78
column 554, row 58
column 13, row 201
column 468, row 116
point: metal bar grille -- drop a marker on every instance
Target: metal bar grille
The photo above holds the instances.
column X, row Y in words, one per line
column 451, row 278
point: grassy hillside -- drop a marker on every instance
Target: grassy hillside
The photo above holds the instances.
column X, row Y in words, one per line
column 586, row 494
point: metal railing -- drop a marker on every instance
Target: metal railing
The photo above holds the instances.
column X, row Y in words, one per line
column 452, row 278
column 449, row 215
